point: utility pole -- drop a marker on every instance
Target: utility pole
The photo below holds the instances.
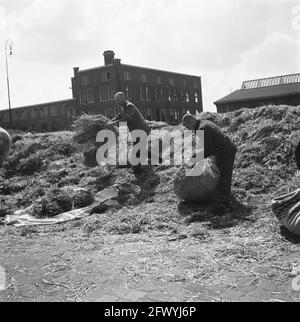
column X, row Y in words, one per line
column 8, row 47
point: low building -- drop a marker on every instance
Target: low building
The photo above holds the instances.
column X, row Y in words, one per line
column 46, row 117
column 280, row 90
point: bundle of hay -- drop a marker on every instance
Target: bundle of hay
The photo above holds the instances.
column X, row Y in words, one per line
column 154, row 125
column 86, row 128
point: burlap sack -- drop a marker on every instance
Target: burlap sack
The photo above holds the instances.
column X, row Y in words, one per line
column 200, row 188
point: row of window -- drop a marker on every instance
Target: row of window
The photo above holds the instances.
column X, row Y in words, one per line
column 150, row 114
column 37, row 113
column 161, row 114
column 85, row 80
column 87, row 96
column 106, row 76
column 44, row 127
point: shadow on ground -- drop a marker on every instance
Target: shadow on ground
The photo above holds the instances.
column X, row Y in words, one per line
column 289, row 236
column 203, row 213
column 147, row 180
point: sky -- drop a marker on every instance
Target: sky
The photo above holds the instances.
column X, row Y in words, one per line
column 223, row 41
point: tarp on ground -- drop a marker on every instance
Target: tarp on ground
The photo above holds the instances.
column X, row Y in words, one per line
column 24, row 217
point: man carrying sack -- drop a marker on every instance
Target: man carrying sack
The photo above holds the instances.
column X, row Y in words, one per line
column 220, row 146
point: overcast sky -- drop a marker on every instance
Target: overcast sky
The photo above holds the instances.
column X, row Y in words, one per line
column 223, row 41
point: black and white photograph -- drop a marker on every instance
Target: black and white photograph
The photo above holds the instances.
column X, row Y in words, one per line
column 150, row 153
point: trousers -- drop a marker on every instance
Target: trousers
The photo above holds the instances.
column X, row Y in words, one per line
column 225, row 164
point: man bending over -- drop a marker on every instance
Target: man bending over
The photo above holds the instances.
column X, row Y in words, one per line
column 217, row 144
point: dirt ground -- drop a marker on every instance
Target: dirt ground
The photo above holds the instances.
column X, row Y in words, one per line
column 187, row 261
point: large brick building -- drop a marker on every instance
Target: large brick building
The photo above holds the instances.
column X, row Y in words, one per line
column 266, row 91
column 160, row 95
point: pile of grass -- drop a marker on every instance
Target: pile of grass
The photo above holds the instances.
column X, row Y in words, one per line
column 266, row 139
column 86, row 128
column 218, row 119
column 57, row 201
column 39, row 165
column 32, row 152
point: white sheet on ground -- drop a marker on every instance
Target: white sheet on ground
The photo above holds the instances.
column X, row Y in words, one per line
column 24, row 217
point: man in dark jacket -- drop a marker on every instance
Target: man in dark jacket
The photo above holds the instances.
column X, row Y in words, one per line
column 217, row 144
column 130, row 114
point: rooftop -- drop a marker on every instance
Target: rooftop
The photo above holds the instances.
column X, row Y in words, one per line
column 138, row 67
column 271, row 81
column 279, row 86
column 40, row 104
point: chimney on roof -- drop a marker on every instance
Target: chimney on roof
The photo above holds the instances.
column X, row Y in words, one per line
column 116, row 61
column 109, row 56
column 76, row 70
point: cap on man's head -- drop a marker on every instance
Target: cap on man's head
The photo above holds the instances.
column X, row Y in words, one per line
column 120, row 96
